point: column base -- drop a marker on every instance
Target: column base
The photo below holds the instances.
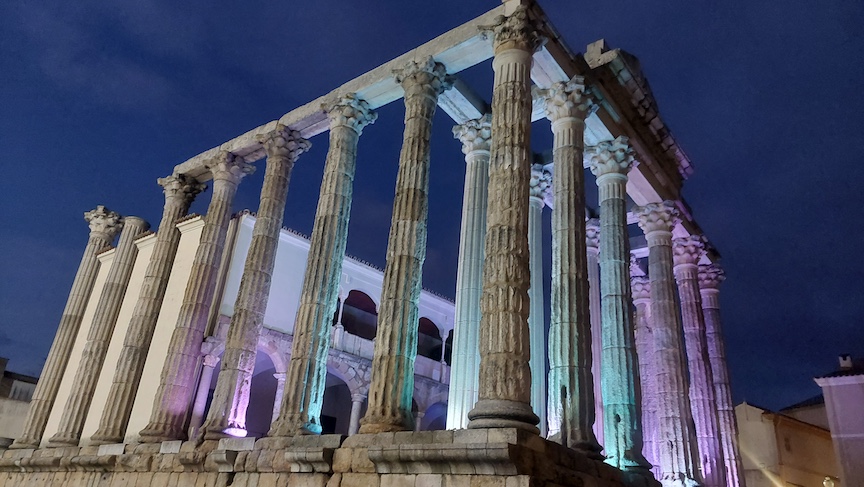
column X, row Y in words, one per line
column 102, row 439
column 289, row 428
column 157, row 434
column 371, row 424
column 24, row 444
column 501, row 413
column 63, row 441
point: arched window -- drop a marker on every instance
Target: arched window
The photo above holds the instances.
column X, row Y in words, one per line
column 359, row 315
column 428, row 339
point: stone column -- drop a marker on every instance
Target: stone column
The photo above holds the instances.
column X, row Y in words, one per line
column 99, row 335
column 703, row 401
column 280, row 393
column 592, row 241
column 179, row 192
column 227, row 415
column 505, row 376
column 710, row 277
column 104, row 225
column 676, row 439
column 418, row 420
column 338, row 328
column 641, row 289
column 307, row 369
column 392, row 386
column 538, row 185
column 177, row 382
column 571, row 384
column 622, row 414
column 475, row 136
column 208, row 366
column 354, row 421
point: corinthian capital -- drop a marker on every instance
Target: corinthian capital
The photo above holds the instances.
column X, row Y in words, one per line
column 228, row 167
column 610, row 157
column 540, row 181
column 710, row 276
column 104, row 221
column 566, row 100
column 640, row 286
column 688, row 250
column 284, row 142
column 592, row 234
column 518, row 31
column 180, row 188
column 350, row 111
column 475, row 135
column 657, row 217
column 423, row 74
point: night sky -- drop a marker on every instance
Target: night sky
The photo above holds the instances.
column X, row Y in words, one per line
column 98, row 99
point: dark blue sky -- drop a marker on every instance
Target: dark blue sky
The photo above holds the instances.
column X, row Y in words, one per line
column 98, row 99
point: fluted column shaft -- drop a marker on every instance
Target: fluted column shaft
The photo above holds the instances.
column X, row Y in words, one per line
column 104, row 225
column 179, row 192
column 354, row 419
column 703, row 400
column 475, row 136
column 99, row 335
column 177, row 382
column 208, row 367
column 392, row 387
column 505, row 376
column 227, row 415
column 307, row 368
column 710, row 277
column 622, row 414
column 537, row 312
column 571, row 383
column 592, row 241
column 641, row 288
column 676, row 439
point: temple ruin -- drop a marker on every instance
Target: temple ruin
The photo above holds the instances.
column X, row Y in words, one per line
column 153, row 373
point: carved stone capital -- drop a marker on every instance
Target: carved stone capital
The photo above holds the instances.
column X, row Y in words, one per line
column 284, row 142
column 350, row 111
column 180, row 188
column 592, row 234
column 518, row 31
column 688, row 250
column 657, row 217
column 228, row 167
column 422, row 74
column 540, row 181
column 640, row 286
column 210, row 361
column 475, row 135
column 610, row 157
column 104, row 221
column 566, row 100
column 710, row 276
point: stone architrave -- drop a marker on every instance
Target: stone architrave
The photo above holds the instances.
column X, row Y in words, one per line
column 710, row 277
column 703, row 401
column 299, row 409
column 180, row 191
column 571, row 383
column 99, row 335
column 475, row 136
column 177, row 383
column 641, row 289
column 592, row 242
column 676, row 440
column 610, row 162
column 227, row 415
column 538, row 185
column 104, row 226
column 505, row 376
column 392, row 387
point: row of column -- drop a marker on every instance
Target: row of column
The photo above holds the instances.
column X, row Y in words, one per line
column 503, row 334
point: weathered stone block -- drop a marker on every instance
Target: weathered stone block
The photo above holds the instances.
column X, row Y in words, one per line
column 360, row 480
column 170, row 446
